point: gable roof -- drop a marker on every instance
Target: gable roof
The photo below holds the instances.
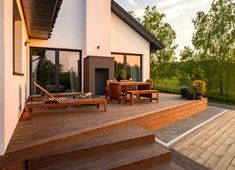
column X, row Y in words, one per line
column 155, row 44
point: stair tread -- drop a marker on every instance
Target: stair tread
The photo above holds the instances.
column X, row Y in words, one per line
column 114, row 136
column 167, row 166
column 112, row 159
column 108, row 137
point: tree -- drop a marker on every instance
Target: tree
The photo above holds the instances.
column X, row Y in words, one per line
column 214, row 41
column 153, row 21
column 45, row 71
column 187, row 54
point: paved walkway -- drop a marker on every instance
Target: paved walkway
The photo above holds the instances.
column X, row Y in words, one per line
column 229, row 107
column 212, row 145
column 172, row 131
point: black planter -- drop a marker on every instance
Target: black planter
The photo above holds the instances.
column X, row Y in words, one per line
column 184, row 91
column 199, row 96
column 191, row 96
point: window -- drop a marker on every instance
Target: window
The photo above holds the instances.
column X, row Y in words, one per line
column 118, row 63
column 130, row 63
column 69, row 70
column 55, row 69
column 133, row 67
column 17, row 41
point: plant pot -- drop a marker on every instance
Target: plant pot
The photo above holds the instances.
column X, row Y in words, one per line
column 199, row 96
column 191, row 96
column 184, row 91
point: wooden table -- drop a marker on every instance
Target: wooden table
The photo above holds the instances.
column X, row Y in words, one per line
column 116, row 88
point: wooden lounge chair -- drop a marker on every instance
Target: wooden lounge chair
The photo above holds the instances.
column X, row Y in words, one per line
column 50, row 101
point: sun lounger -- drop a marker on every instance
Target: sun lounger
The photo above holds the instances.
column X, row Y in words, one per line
column 51, row 101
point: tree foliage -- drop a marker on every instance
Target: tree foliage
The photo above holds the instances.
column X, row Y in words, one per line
column 153, row 21
column 214, row 45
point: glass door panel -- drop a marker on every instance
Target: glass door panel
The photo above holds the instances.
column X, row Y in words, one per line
column 118, row 64
column 69, row 71
column 43, row 69
column 133, row 65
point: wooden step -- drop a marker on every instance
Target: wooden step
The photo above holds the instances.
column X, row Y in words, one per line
column 109, row 140
column 185, row 162
column 139, row 157
column 167, row 166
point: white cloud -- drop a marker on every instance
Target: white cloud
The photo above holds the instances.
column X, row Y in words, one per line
column 166, row 3
column 139, row 12
column 133, row 3
column 184, row 8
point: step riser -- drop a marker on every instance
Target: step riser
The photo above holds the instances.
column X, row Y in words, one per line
column 47, row 147
column 107, row 148
column 147, row 163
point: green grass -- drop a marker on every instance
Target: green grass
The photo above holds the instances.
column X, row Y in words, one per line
column 173, row 85
column 167, row 86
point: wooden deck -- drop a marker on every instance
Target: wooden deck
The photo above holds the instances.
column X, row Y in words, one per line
column 213, row 145
column 53, row 123
column 49, row 130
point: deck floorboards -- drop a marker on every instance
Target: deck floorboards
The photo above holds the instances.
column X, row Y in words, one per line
column 49, row 123
column 213, row 145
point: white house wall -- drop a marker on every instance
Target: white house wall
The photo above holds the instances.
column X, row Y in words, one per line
column 125, row 40
column 98, row 25
column 15, row 87
column 1, row 78
column 68, row 31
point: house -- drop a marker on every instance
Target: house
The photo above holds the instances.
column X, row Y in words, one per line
column 70, row 45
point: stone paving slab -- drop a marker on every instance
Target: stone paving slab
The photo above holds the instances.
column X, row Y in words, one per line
column 224, row 106
column 170, row 132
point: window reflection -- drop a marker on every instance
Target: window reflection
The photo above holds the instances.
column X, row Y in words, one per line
column 43, row 69
column 118, row 64
column 133, row 67
column 69, row 71
column 131, row 64
column 56, row 70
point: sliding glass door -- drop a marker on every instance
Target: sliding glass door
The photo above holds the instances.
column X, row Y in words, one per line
column 56, row 70
column 69, row 70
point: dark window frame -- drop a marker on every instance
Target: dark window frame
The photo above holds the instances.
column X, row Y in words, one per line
column 57, row 51
column 125, row 61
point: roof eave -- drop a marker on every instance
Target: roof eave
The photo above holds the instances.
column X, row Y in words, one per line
column 34, row 10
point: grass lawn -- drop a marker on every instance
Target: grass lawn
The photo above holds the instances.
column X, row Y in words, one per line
column 173, row 85
column 167, row 86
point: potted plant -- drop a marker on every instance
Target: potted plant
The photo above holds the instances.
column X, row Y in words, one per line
column 183, row 91
column 121, row 75
column 185, row 82
column 190, row 94
column 199, row 88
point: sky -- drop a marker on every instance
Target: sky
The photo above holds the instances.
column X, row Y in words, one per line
column 179, row 13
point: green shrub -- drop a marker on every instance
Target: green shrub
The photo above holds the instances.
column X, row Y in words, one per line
column 199, row 86
column 184, row 79
column 197, row 74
